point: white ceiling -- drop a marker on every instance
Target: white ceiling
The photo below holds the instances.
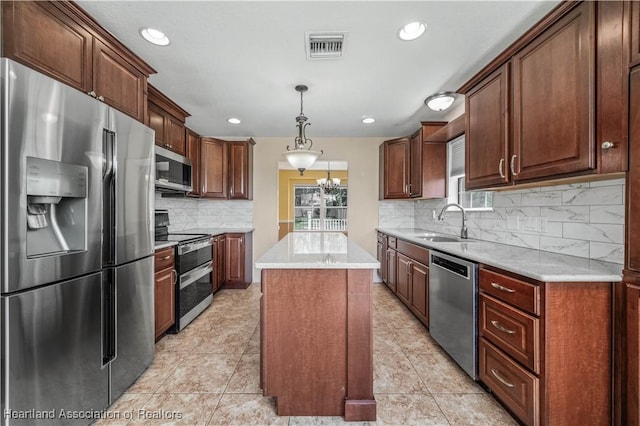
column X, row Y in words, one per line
column 243, row 58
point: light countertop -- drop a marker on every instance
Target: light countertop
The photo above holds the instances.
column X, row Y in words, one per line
column 214, row 231
column 316, row 250
column 158, row 245
column 536, row 264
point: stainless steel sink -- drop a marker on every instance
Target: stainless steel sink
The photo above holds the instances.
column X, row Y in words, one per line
column 442, row 238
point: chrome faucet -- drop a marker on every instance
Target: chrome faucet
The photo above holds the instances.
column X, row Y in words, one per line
column 463, row 230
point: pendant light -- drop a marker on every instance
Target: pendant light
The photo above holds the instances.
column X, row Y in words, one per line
column 328, row 185
column 301, row 157
column 440, row 101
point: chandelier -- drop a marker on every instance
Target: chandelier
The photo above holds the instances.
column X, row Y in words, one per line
column 301, row 157
column 329, row 185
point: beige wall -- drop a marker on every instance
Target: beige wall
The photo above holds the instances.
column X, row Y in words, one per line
column 362, row 155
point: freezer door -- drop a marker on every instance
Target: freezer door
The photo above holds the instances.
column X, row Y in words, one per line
column 129, row 201
column 51, row 353
column 51, row 180
column 134, row 324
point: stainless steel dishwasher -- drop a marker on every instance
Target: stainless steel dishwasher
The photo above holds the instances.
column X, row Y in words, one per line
column 453, row 304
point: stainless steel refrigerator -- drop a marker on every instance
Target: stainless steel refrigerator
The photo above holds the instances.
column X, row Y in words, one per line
column 76, row 251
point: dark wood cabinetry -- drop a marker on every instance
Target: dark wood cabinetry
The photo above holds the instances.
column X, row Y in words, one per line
column 411, row 167
column 632, row 391
column 543, row 352
column 227, row 169
column 419, row 284
column 381, row 251
column 487, row 135
column 214, row 168
column 193, row 154
column 219, row 259
column 164, row 296
column 238, row 265
column 552, row 105
column 59, row 39
column 392, row 276
column 403, row 277
column 632, row 245
column 167, row 119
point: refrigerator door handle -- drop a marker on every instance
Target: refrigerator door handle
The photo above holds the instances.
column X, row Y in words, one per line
column 108, row 317
column 109, row 200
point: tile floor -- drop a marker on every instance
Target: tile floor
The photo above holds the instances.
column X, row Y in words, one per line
column 208, row 374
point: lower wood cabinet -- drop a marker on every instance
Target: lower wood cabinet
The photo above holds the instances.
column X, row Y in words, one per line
column 219, row 258
column 238, row 265
column 165, row 290
column 633, row 355
column 545, row 348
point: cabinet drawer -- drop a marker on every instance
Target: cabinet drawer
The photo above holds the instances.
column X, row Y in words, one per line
column 413, row 251
column 513, row 385
column 513, row 331
column 393, row 242
column 164, row 258
column 518, row 293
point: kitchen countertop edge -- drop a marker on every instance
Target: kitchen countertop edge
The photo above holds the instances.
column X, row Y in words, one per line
column 537, row 264
column 159, row 245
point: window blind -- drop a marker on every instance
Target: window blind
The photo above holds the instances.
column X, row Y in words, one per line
column 456, row 156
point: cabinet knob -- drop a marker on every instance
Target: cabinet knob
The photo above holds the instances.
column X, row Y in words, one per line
column 101, row 98
column 607, row 145
column 92, row 94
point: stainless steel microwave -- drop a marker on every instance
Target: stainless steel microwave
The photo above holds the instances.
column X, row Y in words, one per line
column 174, row 172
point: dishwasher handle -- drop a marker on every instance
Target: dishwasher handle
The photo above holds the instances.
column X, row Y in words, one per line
column 455, row 267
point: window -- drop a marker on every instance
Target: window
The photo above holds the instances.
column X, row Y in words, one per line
column 472, row 200
column 316, row 211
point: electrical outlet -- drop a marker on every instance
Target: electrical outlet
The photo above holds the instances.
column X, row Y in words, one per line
column 530, row 224
column 542, row 224
column 513, row 223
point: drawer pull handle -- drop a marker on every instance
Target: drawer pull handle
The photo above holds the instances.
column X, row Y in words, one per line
column 503, row 288
column 166, row 257
column 500, row 327
column 501, row 379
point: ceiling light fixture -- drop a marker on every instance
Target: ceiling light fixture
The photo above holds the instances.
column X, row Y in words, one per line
column 301, row 157
column 328, row 185
column 154, row 36
column 411, row 31
column 368, row 120
column 234, row 120
column 440, row 101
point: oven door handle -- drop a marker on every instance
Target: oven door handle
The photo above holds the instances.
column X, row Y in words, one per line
column 195, row 274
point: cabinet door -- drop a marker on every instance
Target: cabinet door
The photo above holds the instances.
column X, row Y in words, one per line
column 381, row 254
column 635, row 33
column 156, row 122
column 415, row 169
column 633, row 177
column 554, row 99
column 164, row 300
column 396, row 168
column 240, row 165
column 193, row 153
column 40, row 36
column 434, row 170
column 633, row 355
column 120, row 84
column 487, row 134
column 420, row 292
column 235, row 258
column 392, row 277
column 403, row 277
column 221, row 260
column 176, row 135
column 214, row 163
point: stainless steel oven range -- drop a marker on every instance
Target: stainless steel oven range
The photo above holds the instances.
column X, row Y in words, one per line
column 194, row 264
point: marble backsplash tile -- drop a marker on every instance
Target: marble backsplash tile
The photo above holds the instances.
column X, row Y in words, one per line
column 583, row 219
column 185, row 213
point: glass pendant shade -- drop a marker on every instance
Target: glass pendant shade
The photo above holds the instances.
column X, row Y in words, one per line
column 440, row 101
column 301, row 158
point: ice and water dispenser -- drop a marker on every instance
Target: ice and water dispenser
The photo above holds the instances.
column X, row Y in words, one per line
column 56, row 207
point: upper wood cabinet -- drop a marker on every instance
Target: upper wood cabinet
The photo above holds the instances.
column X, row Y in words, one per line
column 214, row 168
column 487, row 135
column 59, row 39
column 554, row 104
column 167, row 119
column 240, row 170
column 193, row 153
column 415, row 169
column 632, row 243
column 634, row 25
column 395, row 166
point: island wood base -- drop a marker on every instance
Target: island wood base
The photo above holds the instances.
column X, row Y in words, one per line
column 316, row 342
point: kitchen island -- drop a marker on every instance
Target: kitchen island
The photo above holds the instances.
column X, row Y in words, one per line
column 316, row 341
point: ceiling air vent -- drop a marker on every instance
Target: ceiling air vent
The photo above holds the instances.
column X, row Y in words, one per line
column 325, row 45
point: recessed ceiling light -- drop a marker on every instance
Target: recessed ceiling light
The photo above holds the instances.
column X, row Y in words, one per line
column 234, row 120
column 154, row 36
column 440, row 101
column 368, row 120
column 412, row 31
